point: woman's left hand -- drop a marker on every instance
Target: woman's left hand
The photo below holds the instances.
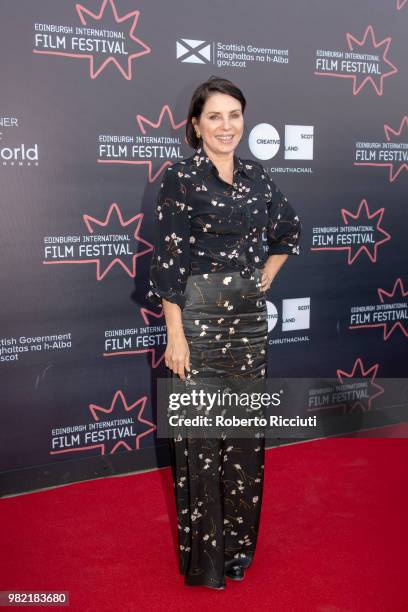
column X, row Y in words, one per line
column 267, row 278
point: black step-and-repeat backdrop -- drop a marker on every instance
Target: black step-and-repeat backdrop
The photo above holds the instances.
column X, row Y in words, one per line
column 94, row 97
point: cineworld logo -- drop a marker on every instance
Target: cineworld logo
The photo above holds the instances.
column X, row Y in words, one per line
column 21, row 154
column 295, row 314
column 264, row 141
column 193, row 51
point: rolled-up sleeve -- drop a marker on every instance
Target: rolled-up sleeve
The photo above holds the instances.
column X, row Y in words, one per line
column 284, row 226
column 169, row 266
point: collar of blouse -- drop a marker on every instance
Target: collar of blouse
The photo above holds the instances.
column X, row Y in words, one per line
column 202, row 163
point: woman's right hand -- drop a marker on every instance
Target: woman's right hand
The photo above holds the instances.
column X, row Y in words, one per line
column 177, row 354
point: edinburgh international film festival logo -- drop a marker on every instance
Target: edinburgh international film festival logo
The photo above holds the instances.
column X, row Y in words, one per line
column 103, row 37
column 365, row 61
column 148, row 339
column 390, row 313
column 154, row 143
column 359, row 397
column 390, row 153
column 111, row 242
column 360, row 234
column 120, row 426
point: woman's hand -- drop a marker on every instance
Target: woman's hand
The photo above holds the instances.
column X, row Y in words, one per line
column 268, row 275
column 272, row 266
column 177, row 354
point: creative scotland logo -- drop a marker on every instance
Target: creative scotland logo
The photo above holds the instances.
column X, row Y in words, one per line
column 264, row 142
column 295, row 314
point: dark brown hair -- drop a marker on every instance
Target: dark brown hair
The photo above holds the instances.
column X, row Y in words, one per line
column 200, row 96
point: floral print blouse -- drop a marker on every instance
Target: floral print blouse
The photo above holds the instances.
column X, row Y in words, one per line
column 205, row 224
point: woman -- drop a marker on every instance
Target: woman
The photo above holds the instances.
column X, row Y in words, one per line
column 224, row 230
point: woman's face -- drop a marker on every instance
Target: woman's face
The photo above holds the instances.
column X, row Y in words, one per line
column 221, row 124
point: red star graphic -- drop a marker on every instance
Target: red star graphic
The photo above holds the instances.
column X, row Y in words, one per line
column 147, row 313
column 389, row 132
column 175, row 126
column 118, row 403
column 156, row 354
column 87, row 17
column 388, row 294
column 400, row 4
column 392, row 294
column 137, row 219
column 373, row 44
column 133, row 18
column 363, row 211
column 346, row 214
column 358, row 371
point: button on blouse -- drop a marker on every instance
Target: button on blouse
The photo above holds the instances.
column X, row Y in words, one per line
column 204, row 224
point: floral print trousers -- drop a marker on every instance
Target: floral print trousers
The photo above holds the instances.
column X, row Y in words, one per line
column 219, row 481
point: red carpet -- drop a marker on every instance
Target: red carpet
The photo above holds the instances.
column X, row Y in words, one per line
column 333, row 537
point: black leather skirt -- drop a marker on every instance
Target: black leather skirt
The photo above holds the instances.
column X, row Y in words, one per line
column 225, row 323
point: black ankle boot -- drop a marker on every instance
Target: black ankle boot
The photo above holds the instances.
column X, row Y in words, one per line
column 236, row 572
column 216, row 588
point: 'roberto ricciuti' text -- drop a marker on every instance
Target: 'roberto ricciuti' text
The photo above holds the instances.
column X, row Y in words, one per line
column 234, row 421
